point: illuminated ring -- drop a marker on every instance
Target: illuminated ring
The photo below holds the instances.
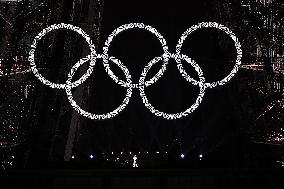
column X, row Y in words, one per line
column 125, row 27
column 176, row 115
column 222, row 28
column 92, row 57
column 128, row 83
column 109, row 115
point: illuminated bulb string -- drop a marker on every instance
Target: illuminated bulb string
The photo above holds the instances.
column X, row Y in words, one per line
column 128, row 84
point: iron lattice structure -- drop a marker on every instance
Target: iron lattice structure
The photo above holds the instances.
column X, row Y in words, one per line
column 260, row 26
column 22, row 118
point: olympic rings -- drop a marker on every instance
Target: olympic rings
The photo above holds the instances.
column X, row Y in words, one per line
column 178, row 57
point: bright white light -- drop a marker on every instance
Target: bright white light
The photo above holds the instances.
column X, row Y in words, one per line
column 72, row 157
column 200, row 156
column 135, row 161
column 182, row 156
column 107, row 59
column 91, row 156
column 157, row 152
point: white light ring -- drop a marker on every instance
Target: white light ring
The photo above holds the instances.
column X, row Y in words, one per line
column 91, row 57
column 89, row 115
column 222, row 28
column 197, row 68
column 176, row 115
column 128, row 27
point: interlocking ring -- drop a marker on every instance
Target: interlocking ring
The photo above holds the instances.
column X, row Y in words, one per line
column 102, row 116
column 92, row 57
column 178, row 57
column 222, row 28
column 131, row 26
column 177, row 115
